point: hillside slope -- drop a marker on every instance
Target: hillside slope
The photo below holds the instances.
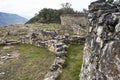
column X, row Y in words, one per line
column 7, row 19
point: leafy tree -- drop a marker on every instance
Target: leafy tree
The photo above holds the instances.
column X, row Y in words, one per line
column 66, row 5
column 47, row 15
column 66, row 8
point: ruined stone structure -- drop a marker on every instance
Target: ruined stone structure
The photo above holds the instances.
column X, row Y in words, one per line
column 70, row 22
column 78, row 30
column 14, row 30
column 101, row 59
column 53, row 45
column 59, row 49
column 45, row 35
column 47, row 39
column 73, row 19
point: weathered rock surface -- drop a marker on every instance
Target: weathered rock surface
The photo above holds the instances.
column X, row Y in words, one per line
column 73, row 19
column 101, row 60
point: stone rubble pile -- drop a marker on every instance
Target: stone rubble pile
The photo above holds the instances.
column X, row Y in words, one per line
column 14, row 30
column 79, row 30
column 39, row 39
column 101, row 59
column 75, row 29
column 74, row 39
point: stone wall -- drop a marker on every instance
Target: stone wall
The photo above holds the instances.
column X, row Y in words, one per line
column 73, row 19
column 69, row 23
column 101, row 59
column 53, row 45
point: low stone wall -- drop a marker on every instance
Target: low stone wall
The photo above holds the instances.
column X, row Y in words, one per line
column 9, row 42
column 74, row 40
column 59, row 49
column 56, row 46
column 73, row 29
column 58, row 64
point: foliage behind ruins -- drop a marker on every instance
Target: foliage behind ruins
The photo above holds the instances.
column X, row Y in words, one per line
column 48, row 15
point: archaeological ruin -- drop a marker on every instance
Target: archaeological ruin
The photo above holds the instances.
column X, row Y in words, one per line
column 73, row 24
column 101, row 59
column 47, row 39
column 99, row 30
column 69, row 19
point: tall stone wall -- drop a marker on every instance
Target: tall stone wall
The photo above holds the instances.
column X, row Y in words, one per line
column 73, row 19
column 101, row 59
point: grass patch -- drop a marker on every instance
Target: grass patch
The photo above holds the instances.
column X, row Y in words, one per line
column 32, row 64
column 12, row 37
column 50, row 26
column 73, row 63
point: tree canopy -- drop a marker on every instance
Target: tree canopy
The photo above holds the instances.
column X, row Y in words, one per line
column 47, row 15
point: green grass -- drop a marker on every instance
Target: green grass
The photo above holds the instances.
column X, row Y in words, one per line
column 12, row 37
column 1, row 28
column 32, row 63
column 50, row 26
column 73, row 63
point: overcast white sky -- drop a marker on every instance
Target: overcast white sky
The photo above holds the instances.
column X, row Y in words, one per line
column 27, row 8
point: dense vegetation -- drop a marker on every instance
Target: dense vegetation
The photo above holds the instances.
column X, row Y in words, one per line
column 47, row 15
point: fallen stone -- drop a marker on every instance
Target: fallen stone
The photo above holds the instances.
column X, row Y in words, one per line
column 52, row 75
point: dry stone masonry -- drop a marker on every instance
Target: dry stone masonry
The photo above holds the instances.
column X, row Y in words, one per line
column 39, row 39
column 101, row 59
column 68, row 19
column 31, row 34
column 54, row 45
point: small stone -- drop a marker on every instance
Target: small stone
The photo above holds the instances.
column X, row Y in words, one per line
column 117, row 28
column 2, row 73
